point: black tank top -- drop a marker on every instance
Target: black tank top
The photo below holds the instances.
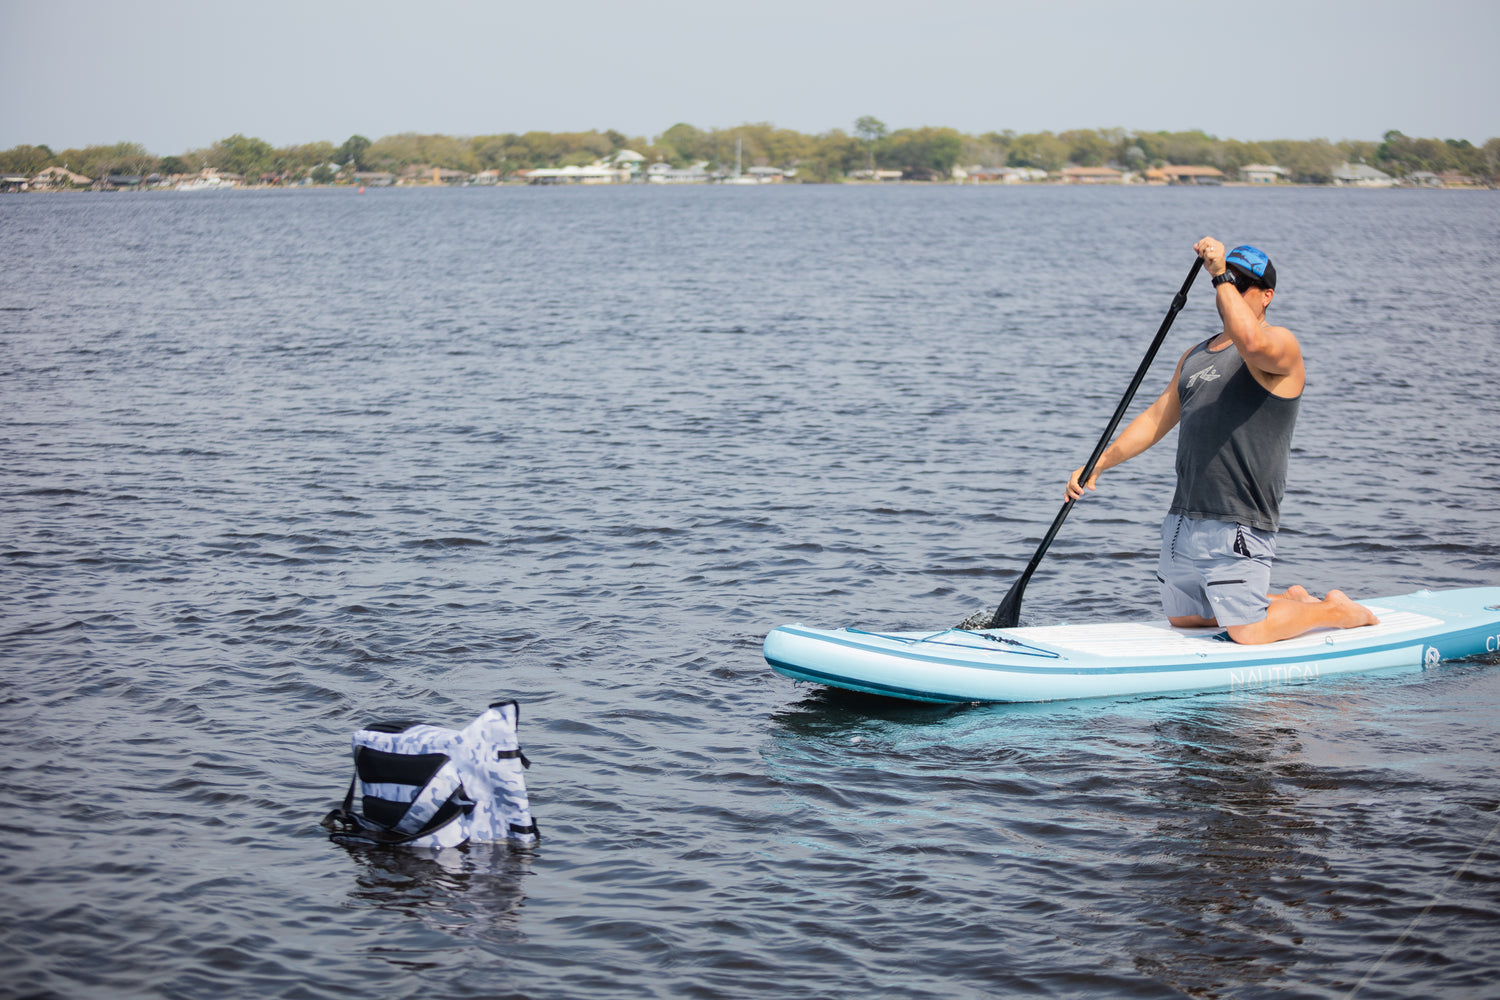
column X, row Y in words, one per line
column 1232, row 442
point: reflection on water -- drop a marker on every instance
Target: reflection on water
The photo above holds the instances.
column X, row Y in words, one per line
column 1232, row 845
column 833, row 713
column 475, row 891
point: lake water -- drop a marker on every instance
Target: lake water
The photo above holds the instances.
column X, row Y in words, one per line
column 276, row 465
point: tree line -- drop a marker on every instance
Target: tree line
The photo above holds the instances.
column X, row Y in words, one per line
column 919, row 153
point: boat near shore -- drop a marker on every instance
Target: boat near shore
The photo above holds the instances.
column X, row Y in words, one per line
column 209, row 183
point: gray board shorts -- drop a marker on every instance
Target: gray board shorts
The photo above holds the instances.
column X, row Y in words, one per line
column 1215, row 569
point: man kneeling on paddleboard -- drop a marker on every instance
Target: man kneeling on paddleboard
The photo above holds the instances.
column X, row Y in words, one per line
column 1236, row 397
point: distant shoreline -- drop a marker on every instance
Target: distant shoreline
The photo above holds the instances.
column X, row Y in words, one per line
column 521, row 185
column 760, row 153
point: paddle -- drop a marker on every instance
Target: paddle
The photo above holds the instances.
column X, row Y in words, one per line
column 1008, row 614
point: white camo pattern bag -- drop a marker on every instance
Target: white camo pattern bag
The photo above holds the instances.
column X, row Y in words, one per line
column 428, row 786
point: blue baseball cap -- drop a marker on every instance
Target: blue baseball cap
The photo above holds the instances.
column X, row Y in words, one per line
column 1252, row 264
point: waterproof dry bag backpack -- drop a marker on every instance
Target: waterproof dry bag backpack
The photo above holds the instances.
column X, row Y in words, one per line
column 427, row 786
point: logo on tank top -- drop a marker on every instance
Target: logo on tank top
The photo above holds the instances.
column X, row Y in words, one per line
column 1209, row 374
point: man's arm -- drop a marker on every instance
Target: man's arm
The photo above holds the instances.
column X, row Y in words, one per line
column 1271, row 349
column 1141, row 433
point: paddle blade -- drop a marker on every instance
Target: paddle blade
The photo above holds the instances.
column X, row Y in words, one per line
column 1007, row 615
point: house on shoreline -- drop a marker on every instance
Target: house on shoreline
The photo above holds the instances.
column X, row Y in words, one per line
column 59, row 177
column 594, row 173
column 665, row 173
column 1262, row 173
column 1190, row 175
column 1361, row 175
column 621, row 168
column 999, row 175
column 1092, row 175
column 1447, row 179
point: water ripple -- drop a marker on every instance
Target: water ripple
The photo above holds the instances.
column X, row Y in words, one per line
column 266, row 476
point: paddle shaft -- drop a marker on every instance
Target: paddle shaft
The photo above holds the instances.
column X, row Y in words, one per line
column 1008, row 614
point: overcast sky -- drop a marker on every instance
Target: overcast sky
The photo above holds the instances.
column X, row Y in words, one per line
column 177, row 75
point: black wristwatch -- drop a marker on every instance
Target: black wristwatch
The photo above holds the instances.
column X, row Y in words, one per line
column 1224, row 279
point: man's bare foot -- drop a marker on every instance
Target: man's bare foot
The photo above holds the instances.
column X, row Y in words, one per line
column 1351, row 615
column 1287, row 618
column 1297, row 592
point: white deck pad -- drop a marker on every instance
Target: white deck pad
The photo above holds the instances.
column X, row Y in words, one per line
column 1114, row 639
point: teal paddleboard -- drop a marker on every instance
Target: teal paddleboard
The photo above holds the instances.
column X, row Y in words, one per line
column 1055, row 662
